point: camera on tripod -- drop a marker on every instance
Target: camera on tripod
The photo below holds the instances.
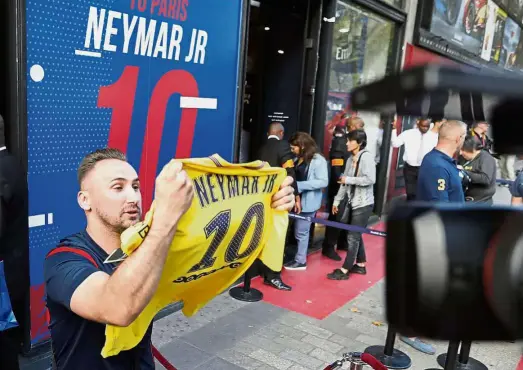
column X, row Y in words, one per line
column 454, row 271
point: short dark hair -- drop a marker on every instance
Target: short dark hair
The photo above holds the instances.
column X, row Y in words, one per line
column 471, row 144
column 91, row 159
column 358, row 136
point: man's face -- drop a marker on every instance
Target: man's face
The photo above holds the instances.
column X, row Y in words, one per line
column 482, row 127
column 461, row 139
column 424, row 126
column 353, row 124
column 468, row 155
column 111, row 192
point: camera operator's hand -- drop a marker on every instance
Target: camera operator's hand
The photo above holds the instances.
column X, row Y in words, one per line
column 174, row 194
column 334, row 210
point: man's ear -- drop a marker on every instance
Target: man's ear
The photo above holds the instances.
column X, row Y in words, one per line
column 83, row 200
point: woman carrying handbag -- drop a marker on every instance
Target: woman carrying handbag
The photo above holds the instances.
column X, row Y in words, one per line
column 354, row 202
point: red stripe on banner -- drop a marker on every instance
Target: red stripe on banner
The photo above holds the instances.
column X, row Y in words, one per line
column 316, row 296
column 173, row 82
column 120, row 97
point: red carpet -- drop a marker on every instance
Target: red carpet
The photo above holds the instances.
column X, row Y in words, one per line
column 520, row 365
column 313, row 294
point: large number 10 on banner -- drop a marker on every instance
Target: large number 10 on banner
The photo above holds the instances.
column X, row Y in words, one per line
column 120, row 96
column 156, row 79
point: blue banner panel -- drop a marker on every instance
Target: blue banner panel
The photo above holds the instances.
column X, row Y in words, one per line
column 155, row 78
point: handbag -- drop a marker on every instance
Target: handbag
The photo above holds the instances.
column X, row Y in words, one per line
column 345, row 204
column 7, row 316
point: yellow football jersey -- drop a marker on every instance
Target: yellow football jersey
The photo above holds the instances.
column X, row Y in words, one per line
column 228, row 226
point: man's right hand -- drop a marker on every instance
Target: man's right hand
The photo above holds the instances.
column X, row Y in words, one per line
column 334, row 210
column 174, row 193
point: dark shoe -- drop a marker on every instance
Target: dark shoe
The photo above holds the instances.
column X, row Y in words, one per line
column 331, row 254
column 358, row 270
column 338, row 275
column 278, row 284
column 295, row 266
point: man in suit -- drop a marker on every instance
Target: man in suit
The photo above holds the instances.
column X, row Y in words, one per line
column 13, row 250
column 277, row 152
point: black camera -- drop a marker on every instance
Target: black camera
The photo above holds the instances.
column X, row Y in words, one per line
column 454, row 272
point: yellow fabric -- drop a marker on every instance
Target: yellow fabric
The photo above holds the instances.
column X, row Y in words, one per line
column 184, row 278
column 337, row 162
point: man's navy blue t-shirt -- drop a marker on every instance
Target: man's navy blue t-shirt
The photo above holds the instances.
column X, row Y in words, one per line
column 439, row 180
column 77, row 342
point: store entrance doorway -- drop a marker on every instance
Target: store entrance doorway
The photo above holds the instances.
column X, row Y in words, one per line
column 274, row 78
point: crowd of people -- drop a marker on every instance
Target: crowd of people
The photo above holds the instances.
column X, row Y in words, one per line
column 444, row 161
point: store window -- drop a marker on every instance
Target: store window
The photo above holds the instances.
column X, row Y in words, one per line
column 361, row 52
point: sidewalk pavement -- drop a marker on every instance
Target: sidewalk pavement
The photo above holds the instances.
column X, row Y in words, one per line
column 232, row 335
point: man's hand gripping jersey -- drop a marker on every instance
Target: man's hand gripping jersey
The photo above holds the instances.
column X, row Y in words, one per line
column 228, row 226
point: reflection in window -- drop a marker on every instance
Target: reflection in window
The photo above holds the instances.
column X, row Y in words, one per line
column 361, row 52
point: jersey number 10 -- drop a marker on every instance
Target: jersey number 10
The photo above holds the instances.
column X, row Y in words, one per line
column 219, row 226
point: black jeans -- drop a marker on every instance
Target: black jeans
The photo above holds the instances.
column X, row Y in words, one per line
column 334, row 236
column 410, row 174
column 357, row 217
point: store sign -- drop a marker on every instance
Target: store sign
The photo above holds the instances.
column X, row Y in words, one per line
column 476, row 32
column 156, row 79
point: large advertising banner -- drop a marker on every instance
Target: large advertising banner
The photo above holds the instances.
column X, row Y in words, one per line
column 461, row 22
column 497, row 39
column 155, row 78
column 510, row 43
column 490, row 28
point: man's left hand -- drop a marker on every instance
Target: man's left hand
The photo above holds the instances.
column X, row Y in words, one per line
column 284, row 200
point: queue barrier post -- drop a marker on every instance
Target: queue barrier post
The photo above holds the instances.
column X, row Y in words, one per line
column 451, row 361
column 245, row 293
column 388, row 355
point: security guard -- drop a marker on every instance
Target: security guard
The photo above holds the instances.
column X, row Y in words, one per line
column 338, row 156
column 277, row 152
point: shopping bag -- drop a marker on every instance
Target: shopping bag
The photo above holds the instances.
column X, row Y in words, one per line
column 7, row 316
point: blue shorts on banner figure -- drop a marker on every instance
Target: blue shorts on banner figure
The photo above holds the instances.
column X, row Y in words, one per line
column 7, row 316
column 156, row 79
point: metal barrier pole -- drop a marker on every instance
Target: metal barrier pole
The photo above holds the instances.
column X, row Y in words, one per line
column 387, row 355
column 464, row 362
column 245, row 293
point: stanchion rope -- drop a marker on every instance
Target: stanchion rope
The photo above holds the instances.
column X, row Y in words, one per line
column 339, row 225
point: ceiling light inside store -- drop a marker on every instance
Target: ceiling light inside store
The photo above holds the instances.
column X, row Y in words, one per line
column 267, row 28
column 280, row 52
column 344, row 30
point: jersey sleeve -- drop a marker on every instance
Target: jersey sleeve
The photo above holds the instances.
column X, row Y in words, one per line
column 63, row 273
column 435, row 184
column 516, row 188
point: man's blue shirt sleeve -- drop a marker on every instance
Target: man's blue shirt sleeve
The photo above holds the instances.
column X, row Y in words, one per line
column 435, row 183
column 516, row 188
column 63, row 273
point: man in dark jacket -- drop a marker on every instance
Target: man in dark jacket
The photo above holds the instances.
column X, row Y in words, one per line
column 480, row 167
column 14, row 251
column 277, row 152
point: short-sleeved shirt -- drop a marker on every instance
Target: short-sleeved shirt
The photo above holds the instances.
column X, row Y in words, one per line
column 516, row 188
column 439, row 179
column 77, row 342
